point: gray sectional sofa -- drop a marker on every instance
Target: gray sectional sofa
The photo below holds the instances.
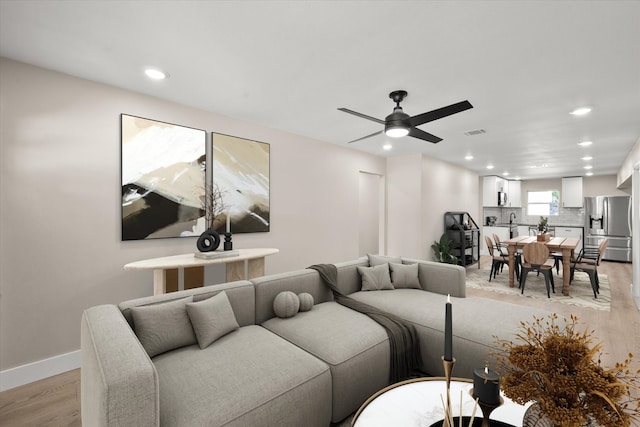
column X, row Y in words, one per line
column 312, row 369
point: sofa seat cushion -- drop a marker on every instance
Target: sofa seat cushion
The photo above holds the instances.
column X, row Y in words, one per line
column 355, row 347
column 248, row 377
column 475, row 323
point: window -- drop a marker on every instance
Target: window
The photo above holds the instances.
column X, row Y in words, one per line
column 543, row 202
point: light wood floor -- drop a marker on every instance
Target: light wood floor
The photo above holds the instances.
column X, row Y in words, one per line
column 55, row 401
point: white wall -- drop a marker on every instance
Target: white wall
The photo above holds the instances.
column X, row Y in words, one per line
column 419, row 192
column 404, row 210
column 60, row 248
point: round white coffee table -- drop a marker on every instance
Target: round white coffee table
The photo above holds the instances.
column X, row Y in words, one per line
column 417, row 402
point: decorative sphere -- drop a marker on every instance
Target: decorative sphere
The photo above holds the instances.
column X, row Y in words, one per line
column 306, row 301
column 286, row 304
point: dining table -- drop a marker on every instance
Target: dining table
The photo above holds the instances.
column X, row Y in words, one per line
column 564, row 245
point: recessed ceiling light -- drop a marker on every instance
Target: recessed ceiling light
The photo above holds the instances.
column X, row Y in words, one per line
column 468, row 157
column 387, row 147
column 588, row 167
column 587, row 158
column 155, row 74
column 581, row 111
column 589, row 173
column 505, row 173
column 517, row 178
column 489, row 166
column 585, row 143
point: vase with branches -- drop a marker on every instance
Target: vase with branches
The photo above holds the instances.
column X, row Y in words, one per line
column 212, row 204
column 559, row 368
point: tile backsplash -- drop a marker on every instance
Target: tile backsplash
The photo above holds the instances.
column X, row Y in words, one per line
column 570, row 217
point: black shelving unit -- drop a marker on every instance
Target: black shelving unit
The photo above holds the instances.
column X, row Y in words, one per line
column 464, row 232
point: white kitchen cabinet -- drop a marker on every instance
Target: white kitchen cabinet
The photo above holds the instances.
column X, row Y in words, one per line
column 514, row 195
column 572, row 192
column 523, row 230
column 490, row 187
column 502, row 232
column 571, row 232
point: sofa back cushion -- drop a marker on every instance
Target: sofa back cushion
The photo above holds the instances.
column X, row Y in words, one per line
column 441, row 278
column 298, row 281
column 241, row 296
column 349, row 280
column 163, row 327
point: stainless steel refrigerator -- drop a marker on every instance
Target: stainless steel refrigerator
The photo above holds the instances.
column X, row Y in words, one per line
column 609, row 218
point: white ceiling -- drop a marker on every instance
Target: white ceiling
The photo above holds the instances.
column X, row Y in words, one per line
column 289, row 65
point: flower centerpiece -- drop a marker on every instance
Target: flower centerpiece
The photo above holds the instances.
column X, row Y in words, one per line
column 555, row 366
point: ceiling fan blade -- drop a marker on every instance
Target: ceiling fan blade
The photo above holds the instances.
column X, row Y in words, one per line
column 440, row 113
column 365, row 137
column 364, row 116
column 425, row 136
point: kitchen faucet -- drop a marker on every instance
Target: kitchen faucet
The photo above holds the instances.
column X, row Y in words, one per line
column 512, row 216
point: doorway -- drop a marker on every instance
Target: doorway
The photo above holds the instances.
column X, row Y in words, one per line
column 371, row 214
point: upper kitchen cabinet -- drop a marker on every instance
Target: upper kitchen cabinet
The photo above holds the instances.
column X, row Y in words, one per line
column 491, row 185
column 572, row 192
column 514, row 200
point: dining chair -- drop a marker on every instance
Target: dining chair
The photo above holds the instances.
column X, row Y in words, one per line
column 586, row 263
column 590, row 254
column 502, row 247
column 498, row 260
column 594, row 255
column 536, row 258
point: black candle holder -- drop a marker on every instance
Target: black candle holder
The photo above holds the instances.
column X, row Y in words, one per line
column 228, row 244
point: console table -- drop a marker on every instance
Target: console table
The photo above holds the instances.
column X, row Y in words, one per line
column 416, row 402
column 249, row 263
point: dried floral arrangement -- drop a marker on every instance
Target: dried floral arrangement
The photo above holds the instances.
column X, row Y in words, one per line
column 555, row 365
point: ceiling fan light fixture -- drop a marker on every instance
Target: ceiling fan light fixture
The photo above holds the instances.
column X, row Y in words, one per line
column 397, row 124
column 396, row 131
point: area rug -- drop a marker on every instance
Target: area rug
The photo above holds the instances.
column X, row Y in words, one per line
column 580, row 290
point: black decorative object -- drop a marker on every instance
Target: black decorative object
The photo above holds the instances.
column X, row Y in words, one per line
column 208, row 241
column 486, row 386
column 228, row 244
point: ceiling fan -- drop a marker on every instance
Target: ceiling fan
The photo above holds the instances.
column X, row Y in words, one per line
column 399, row 123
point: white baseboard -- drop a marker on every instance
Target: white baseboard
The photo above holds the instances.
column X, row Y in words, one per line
column 39, row 370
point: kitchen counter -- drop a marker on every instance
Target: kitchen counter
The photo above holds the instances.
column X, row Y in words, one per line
column 519, row 224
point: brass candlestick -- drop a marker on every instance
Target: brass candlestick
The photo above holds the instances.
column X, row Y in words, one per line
column 448, row 370
column 487, row 409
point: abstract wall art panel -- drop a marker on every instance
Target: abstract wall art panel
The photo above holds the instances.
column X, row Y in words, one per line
column 163, row 179
column 241, row 170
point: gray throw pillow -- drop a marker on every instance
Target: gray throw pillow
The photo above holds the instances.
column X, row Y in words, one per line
column 404, row 276
column 382, row 259
column 375, row 278
column 163, row 327
column 212, row 318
